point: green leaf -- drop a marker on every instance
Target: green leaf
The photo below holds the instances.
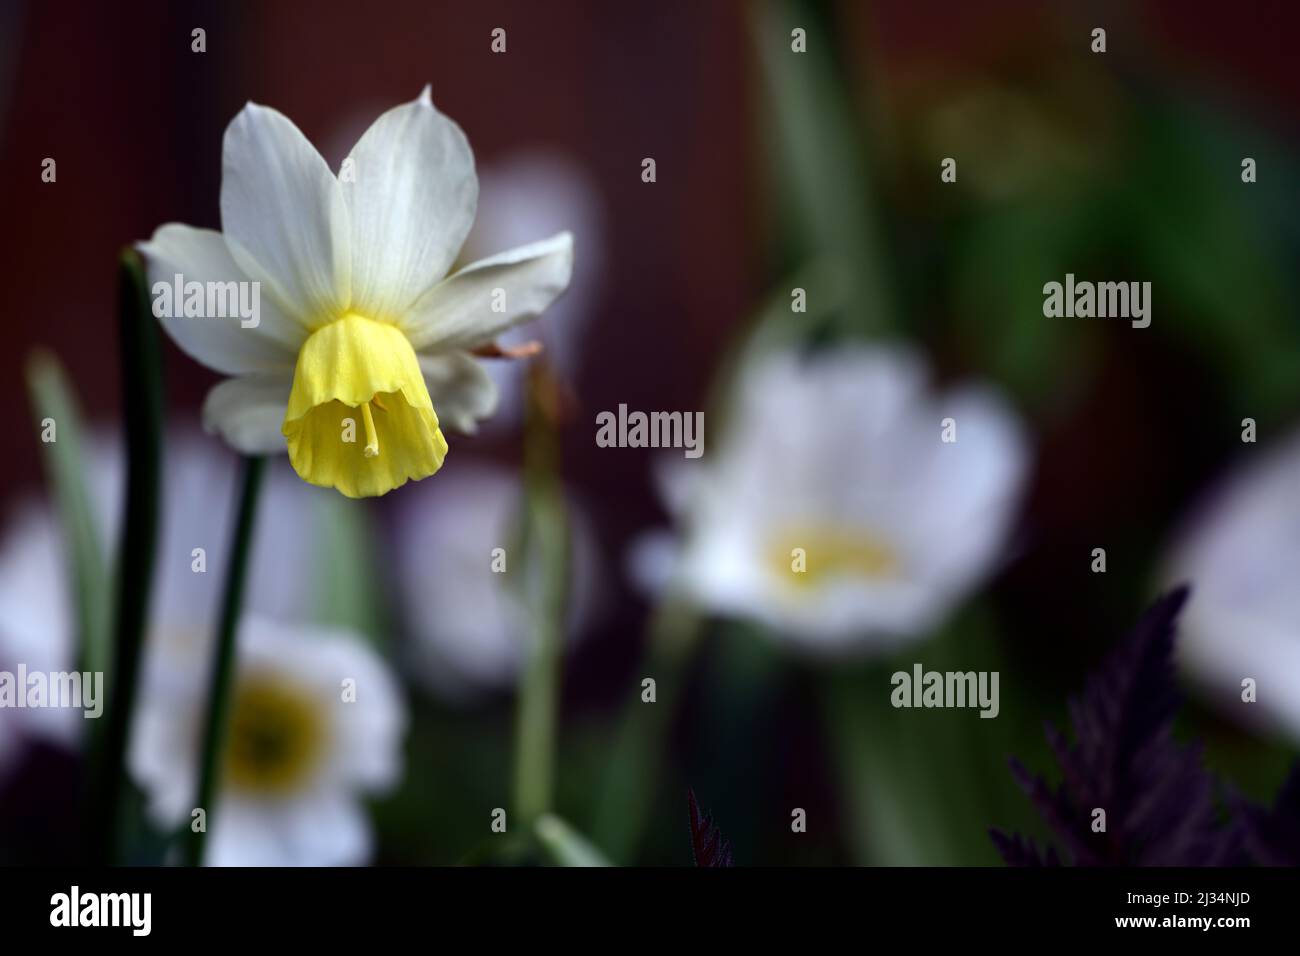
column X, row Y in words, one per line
column 565, row 845
column 822, row 172
column 58, row 417
column 1205, row 241
column 1001, row 260
column 143, row 410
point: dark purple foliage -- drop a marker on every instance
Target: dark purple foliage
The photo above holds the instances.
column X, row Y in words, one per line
column 1022, row 851
column 1272, row 837
column 1160, row 803
column 707, row 846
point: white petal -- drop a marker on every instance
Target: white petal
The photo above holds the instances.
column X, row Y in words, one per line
column 284, row 216
column 316, row 828
column 529, row 196
column 247, row 833
column 653, row 560
column 783, row 466
column 1239, row 549
column 161, row 755
column 248, row 413
column 365, row 749
column 368, row 731
column 327, row 828
column 1219, row 645
column 223, row 344
column 521, row 283
column 411, row 195
column 36, row 626
column 460, row 388
column 967, row 492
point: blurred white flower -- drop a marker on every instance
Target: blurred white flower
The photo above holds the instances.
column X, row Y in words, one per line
column 1240, row 553
column 37, row 626
column 834, row 462
column 316, row 720
column 199, row 482
column 468, row 626
column 522, row 198
column 359, row 318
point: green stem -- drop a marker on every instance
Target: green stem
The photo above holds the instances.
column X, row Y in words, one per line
column 143, row 403
column 223, row 660
column 545, row 562
column 535, row 725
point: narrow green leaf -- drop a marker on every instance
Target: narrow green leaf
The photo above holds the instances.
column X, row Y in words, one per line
column 143, row 406
column 565, row 845
column 822, row 171
column 58, row 422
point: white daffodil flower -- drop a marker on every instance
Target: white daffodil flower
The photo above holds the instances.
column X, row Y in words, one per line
column 834, row 511
column 37, row 626
column 1240, row 553
column 316, row 721
column 361, row 346
column 469, row 629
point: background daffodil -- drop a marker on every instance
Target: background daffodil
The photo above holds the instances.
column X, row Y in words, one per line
column 363, row 342
column 317, row 723
column 835, row 458
column 1240, row 549
column 38, row 625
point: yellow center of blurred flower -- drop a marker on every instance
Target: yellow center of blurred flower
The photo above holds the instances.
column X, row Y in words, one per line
column 276, row 737
column 359, row 417
column 809, row 557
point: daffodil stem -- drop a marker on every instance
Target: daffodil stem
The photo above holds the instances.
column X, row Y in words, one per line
column 221, row 680
column 545, row 559
column 536, row 726
column 143, row 405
